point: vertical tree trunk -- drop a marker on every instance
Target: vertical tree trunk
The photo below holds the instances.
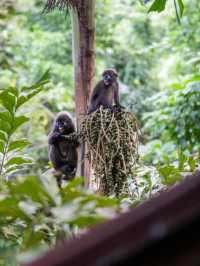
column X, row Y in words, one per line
column 83, row 21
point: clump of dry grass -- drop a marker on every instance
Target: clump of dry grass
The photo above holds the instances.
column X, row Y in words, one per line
column 112, row 139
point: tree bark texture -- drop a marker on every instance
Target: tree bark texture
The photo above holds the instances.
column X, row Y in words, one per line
column 83, row 22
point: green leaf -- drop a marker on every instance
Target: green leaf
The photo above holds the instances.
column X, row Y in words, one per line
column 181, row 7
column 5, row 127
column 181, row 160
column 6, row 116
column 13, row 90
column 172, row 179
column 29, row 92
column 169, row 174
column 9, row 208
column 86, row 221
column 50, row 185
column 2, row 146
column 32, row 239
column 158, row 6
column 166, row 170
column 32, row 188
column 19, row 160
column 18, row 144
column 75, row 183
column 192, row 163
column 3, row 136
column 42, row 81
column 25, row 97
column 8, row 100
column 18, row 121
column 100, row 201
column 12, row 169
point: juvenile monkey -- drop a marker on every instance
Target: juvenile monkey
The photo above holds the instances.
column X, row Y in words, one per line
column 62, row 149
column 106, row 92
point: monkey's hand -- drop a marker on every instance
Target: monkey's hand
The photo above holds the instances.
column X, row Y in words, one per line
column 117, row 108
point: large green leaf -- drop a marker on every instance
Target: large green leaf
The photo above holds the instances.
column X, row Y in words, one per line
column 5, row 126
column 8, row 100
column 9, row 208
column 18, row 121
column 18, row 144
column 158, row 6
column 18, row 160
column 6, row 116
column 32, row 188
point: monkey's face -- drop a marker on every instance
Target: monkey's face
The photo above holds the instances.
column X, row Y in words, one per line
column 63, row 124
column 109, row 76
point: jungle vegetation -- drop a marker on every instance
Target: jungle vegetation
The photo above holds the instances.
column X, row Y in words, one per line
column 155, row 47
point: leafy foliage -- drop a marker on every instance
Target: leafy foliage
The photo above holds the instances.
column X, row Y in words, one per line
column 35, row 213
column 176, row 115
column 11, row 99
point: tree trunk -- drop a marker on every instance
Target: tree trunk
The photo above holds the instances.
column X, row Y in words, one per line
column 83, row 22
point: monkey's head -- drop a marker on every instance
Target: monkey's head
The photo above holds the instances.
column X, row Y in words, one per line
column 109, row 76
column 63, row 123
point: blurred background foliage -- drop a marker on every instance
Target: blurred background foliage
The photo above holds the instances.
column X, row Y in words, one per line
column 158, row 61
column 152, row 52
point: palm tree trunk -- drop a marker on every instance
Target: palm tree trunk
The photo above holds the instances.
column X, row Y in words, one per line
column 83, row 23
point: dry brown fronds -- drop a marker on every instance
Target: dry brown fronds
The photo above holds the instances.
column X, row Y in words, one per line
column 60, row 5
column 112, row 139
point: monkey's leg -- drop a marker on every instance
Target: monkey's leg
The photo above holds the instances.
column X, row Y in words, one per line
column 69, row 171
column 91, row 110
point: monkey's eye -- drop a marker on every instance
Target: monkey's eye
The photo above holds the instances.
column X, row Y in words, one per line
column 107, row 77
column 62, row 124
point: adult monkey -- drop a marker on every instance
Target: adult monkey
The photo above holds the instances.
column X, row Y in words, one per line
column 62, row 147
column 106, row 92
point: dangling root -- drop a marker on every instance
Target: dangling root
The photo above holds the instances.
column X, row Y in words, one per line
column 112, row 139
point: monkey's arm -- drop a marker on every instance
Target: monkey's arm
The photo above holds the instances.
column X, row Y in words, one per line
column 54, row 137
column 93, row 100
column 73, row 138
column 116, row 98
column 116, row 94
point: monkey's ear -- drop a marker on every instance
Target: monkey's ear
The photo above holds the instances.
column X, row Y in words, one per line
column 116, row 74
column 104, row 73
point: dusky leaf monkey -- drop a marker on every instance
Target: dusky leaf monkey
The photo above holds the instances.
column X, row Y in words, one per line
column 106, row 92
column 62, row 149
